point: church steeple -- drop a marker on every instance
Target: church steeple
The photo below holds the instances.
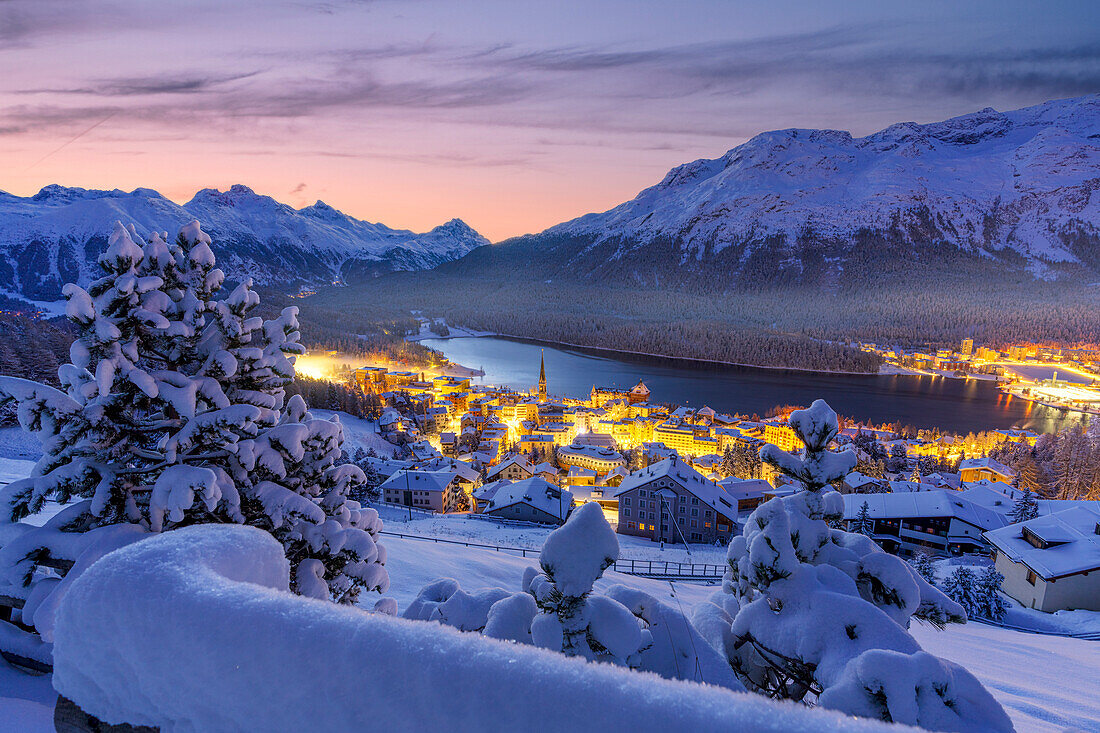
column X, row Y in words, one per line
column 542, row 376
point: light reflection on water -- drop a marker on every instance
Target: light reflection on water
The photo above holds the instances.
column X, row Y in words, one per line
column 922, row 401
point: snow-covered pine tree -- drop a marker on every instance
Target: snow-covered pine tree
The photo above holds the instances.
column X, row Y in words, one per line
column 821, row 614
column 915, row 476
column 172, row 413
column 924, row 565
column 570, row 619
column 961, row 586
column 864, row 525
column 729, row 462
column 1025, row 508
column 991, row 604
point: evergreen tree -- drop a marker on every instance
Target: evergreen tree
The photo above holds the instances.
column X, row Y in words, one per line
column 864, row 525
column 729, row 463
column 809, row 611
column 174, row 412
column 922, row 562
column 961, row 587
column 990, row 603
column 915, row 475
column 1025, row 508
column 1028, row 474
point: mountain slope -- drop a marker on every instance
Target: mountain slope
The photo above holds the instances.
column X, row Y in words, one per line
column 1013, row 194
column 55, row 236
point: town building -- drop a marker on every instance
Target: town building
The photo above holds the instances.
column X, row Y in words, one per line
column 597, row 459
column 975, row 469
column 420, row 489
column 670, row 501
column 747, row 494
column 512, row 468
column 530, row 500
column 935, row 522
column 1051, row 563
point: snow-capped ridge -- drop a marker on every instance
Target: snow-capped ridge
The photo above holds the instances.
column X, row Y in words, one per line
column 46, row 238
column 985, row 184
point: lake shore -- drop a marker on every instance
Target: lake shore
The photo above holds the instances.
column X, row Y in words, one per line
column 459, row 332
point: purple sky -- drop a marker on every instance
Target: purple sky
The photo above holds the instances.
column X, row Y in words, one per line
column 512, row 115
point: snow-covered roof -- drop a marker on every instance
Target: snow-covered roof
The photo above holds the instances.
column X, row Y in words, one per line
column 710, row 493
column 944, row 479
column 486, row 492
column 591, row 451
column 990, row 463
column 420, row 480
column 536, row 492
column 908, row 487
column 741, row 489
column 855, row 479
column 1071, row 533
column 936, row 503
column 515, row 460
column 545, row 467
column 464, row 470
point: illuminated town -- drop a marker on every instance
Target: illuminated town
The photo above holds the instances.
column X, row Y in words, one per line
column 1062, row 378
column 533, row 456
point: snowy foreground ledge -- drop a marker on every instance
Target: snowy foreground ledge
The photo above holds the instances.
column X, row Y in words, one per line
column 195, row 629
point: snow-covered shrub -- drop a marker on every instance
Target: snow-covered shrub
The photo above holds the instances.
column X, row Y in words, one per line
column 961, row 586
column 978, row 593
column 824, row 614
column 173, row 412
column 990, row 603
column 924, row 565
column 572, row 620
column 559, row 609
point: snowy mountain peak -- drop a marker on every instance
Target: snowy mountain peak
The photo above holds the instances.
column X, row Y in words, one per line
column 1025, row 182
column 54, row 237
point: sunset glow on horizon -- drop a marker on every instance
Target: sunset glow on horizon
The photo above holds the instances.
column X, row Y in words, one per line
column 413, row 113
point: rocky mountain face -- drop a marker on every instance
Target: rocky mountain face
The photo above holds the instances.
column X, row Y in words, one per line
column 1004, row 194
column 56, row 235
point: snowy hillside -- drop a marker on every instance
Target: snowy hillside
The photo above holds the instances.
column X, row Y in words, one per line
column 55, row 236
column 1011, row 191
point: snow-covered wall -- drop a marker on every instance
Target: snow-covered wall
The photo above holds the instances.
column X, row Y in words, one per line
column 195, row 630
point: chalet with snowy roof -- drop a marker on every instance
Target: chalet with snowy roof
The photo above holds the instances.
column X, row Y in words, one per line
column 420, row 489
column 858, row 483
column 531, row 500
column 466, row 475
column 670, row 501
column 935, row 522
column 512, row 468
column 1051, row 563
column 974, row 469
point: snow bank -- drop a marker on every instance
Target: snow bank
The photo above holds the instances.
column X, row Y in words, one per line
column 195, row 630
